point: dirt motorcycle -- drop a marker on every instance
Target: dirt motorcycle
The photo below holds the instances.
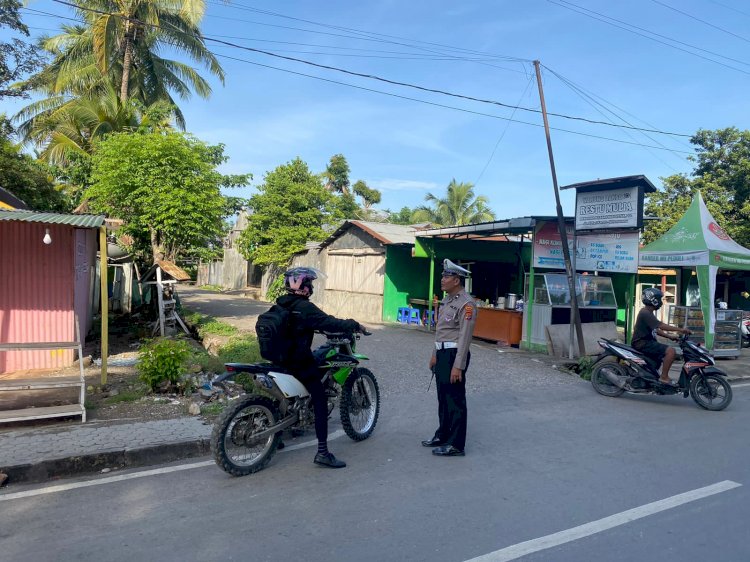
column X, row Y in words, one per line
column 247, row 434
column 621, row 368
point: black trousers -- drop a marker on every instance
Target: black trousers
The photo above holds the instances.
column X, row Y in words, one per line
column 452, row 411
column 310, row 377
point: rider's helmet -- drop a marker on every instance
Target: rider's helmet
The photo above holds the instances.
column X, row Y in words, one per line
column 653, row 297
column 298, row 280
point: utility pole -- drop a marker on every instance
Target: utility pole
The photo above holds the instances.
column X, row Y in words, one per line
column 575, row 316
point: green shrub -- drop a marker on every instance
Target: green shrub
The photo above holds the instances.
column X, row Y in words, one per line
column 208, row 325
column 276, row 289
column 161, row 360
column 584, row 367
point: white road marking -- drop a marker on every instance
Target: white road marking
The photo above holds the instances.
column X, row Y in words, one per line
column 741, row 385
column 543, row 543
column 142, row 474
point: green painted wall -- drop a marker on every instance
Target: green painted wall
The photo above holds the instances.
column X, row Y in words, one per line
column 405, row 278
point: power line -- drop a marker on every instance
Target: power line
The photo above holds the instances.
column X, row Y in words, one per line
column 434, row 104
column 251, row 49
column 708, row 23
column 730, row 8
column 627, row 27
column 505, row 130
column 371, row 34
column 593, row 103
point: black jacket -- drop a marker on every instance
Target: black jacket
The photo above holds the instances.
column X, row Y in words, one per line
column 306, row 318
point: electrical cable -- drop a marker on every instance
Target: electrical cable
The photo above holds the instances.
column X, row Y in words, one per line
column 505, row 130
column 435, row 104
column 389, row 81
column 605, row 19
column 708, row 23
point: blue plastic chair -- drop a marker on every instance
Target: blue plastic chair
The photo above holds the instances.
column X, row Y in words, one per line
column 414, row 316
column 403, row 315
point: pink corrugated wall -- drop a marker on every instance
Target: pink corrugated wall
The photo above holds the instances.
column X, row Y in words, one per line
column 36, row 293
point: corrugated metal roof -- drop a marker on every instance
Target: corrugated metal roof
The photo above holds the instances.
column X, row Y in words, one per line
column 384, row 232
column 81, row 221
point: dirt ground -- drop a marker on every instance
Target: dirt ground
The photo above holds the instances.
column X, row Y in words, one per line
column 122, row 397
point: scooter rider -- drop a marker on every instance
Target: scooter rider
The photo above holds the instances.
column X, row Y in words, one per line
column 306, row 318
column 647, row 327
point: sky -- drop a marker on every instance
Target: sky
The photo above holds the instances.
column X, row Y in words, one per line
column 649, row 70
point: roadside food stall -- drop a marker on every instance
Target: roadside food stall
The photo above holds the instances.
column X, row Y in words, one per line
column 498, row 254
column 697, row 242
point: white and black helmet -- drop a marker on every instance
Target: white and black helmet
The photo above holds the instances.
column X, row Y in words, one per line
column 653, row 297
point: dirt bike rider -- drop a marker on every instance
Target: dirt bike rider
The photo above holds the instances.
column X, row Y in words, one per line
column 647, row 327
column 306, row 318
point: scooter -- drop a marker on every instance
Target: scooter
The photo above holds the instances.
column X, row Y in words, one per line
column 621, row 368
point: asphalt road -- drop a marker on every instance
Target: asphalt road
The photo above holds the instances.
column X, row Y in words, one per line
column 546, row 458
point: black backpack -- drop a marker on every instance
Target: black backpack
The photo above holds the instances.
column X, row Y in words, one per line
column 274, row 332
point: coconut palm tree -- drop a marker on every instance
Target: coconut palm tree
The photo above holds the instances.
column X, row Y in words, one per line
column 62, row 127
column 119, row 46
column 459, row 206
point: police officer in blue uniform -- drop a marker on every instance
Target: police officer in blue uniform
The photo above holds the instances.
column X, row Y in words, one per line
column 450, row 359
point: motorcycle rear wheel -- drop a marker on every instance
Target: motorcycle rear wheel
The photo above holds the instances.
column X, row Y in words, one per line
column 600, row 382
column 232, row 444
column 711, row 392
column 360, row 404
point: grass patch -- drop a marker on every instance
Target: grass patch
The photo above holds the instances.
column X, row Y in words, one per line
column 208, row 325
column 213, row 409
column 126, row 396
column 214, row 288
column 242, row 348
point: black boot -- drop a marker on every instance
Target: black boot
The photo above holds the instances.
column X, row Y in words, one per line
column 328, row 460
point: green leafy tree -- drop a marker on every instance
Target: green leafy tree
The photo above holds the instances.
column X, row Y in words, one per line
column 369, row 195
column 17, row 58
column 459, row 206
column 29, row 180
column 721, row 174
column 337, row 174
column 401, row 217
column 166, row 188
column 289, row 210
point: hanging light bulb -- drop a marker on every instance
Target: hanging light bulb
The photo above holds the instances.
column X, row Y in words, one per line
column 47, row 238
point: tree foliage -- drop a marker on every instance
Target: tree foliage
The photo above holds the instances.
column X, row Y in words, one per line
column 290, row 208
column 165, row 187
column 368, row 195
column 459, row 206
column 337, row 174
column 29, row 180
column 721, row 174
column 17, row 58
column 403, row 216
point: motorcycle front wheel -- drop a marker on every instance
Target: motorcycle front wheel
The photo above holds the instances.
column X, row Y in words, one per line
column 711, row 391
column 599, row 380
column 234, row 447
column 360, row 404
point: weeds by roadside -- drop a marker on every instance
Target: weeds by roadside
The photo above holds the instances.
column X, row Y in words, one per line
column 214, row 288
column 208, row 325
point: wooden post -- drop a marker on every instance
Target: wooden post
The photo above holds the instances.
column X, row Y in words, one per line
column 575, row 313
column 104, row 299
column 160, row 298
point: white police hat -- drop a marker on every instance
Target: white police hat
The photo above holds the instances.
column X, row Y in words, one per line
column 450, row 268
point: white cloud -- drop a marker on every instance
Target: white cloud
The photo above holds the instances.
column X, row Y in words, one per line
column 402, row 185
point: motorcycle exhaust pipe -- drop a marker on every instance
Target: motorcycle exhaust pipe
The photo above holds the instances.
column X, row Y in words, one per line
column 614, row 379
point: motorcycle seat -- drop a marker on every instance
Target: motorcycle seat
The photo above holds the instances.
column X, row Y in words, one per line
column 651, row 362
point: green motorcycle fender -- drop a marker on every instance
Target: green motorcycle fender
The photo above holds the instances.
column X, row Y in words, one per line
column 343, row 373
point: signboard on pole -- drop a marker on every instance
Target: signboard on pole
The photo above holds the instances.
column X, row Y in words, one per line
column 614, row 253
column 609, row 209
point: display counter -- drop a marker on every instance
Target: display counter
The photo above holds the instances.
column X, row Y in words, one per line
column 498, row 324
column 551, row 301
column 727, row 328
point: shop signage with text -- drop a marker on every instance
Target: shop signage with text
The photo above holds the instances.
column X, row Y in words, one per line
column 614, row 208
column 616, row 253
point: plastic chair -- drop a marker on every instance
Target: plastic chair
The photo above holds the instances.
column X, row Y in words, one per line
column 403, row 315
column 428, row 318
column 414, row 316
